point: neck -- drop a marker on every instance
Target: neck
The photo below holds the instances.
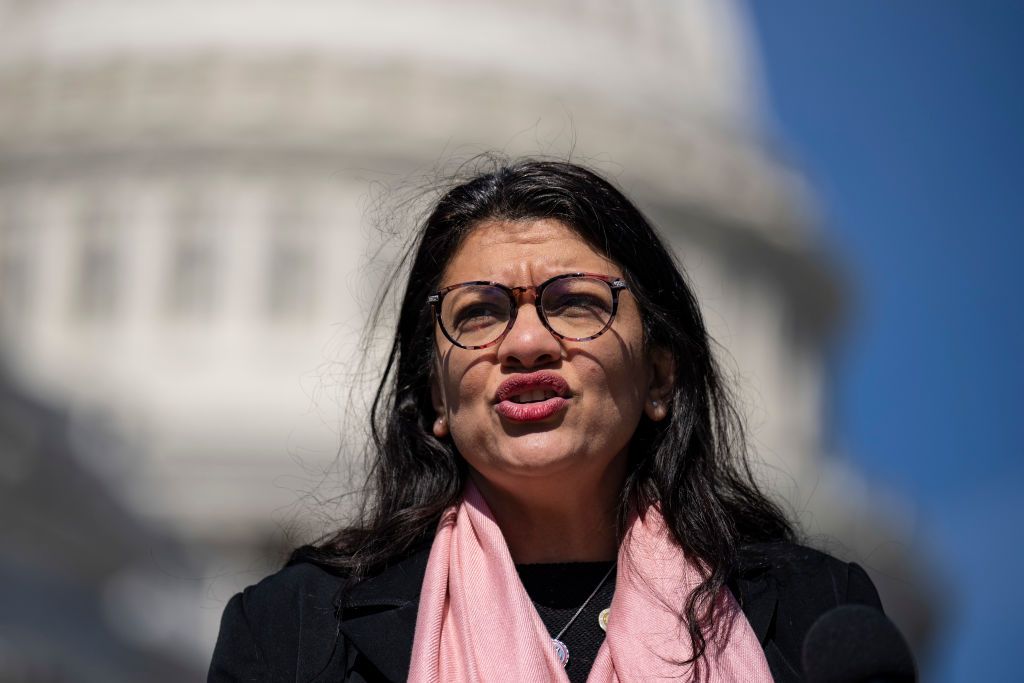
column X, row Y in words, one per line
column 548, row 521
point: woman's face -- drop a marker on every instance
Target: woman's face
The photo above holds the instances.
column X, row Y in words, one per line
column 606, row 383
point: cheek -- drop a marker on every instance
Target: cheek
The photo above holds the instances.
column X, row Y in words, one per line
column 466, row 389
column 460, row 377
column 471, row 421
column 619, row 373
column 617, row 387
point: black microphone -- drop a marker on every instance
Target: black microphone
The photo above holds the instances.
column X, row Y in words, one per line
column 856, row 644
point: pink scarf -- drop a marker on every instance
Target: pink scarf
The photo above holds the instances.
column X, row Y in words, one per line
column 476, row 622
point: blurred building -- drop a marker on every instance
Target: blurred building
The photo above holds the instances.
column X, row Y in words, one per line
column 189, row 244
column 89, row 592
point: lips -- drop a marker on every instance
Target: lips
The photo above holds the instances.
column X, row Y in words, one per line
column 530, row 397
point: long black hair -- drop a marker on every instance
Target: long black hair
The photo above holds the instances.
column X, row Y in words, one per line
column 693, row 463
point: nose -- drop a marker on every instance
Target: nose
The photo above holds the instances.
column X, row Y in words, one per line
column 529, row 343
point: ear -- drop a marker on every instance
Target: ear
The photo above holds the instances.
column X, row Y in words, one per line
column 663, row 378
column 440, row 411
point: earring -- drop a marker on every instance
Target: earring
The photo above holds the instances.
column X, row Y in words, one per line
column 440, row 427
column 657, row 411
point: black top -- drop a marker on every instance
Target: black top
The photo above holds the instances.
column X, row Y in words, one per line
column 557, row 591
column 306, row 623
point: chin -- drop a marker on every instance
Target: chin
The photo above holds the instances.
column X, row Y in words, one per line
column 540, row 445
column 536, row 470
column 537, row 455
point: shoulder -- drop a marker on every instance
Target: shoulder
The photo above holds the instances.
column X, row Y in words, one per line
column 800, row 572
column 783, row 588
column 264, row 626
column 296, row 587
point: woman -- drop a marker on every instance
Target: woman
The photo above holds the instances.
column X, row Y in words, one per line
column 560, row 486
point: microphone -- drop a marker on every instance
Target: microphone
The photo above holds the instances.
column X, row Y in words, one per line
column 856, row 644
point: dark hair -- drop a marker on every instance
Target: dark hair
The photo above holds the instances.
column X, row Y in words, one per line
column 693, row 463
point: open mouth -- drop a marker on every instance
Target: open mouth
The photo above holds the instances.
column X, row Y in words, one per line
column 535, row 396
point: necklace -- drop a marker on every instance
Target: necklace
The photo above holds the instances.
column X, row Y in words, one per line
column 561, row 651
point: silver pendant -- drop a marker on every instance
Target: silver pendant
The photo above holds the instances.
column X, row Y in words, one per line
column 561, row 651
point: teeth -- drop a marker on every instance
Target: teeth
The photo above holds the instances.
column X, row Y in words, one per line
column 533, row 396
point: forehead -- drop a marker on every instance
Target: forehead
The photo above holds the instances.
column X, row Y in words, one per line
column 523, row 252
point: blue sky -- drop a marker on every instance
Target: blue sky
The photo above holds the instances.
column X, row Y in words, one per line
column 908, row 119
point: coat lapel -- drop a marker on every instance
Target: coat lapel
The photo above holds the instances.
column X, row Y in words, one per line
column 378, row 614
column 757, row 597
column 755, row 588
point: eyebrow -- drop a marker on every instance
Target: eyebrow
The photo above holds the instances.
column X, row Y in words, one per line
column 548, row 275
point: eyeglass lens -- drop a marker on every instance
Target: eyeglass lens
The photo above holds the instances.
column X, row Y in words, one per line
column 575, row 307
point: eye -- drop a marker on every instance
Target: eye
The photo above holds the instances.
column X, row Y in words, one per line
column 578, row 298
column 578, row 303
column 475, row 308
column 477, row 314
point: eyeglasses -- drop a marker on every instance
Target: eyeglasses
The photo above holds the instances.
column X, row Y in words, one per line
column 574, row 307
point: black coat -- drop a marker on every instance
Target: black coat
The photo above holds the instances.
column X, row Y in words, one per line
column 305, row 624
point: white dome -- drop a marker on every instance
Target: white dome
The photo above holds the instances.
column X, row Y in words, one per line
column 680, row 56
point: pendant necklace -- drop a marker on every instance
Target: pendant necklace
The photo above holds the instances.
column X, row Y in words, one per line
column 561, row 651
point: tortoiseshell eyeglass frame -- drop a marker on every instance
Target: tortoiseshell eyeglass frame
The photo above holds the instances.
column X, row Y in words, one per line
column 615, row 284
